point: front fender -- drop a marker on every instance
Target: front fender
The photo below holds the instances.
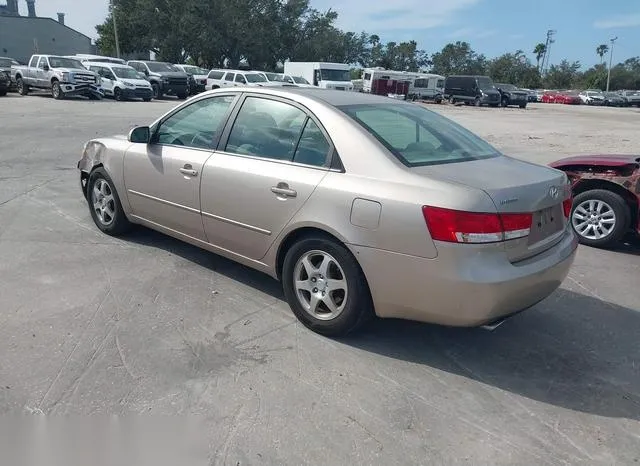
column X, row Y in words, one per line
column 108, row 154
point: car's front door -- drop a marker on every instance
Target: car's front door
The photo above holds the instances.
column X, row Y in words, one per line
column 162, row 178
column 269, row 162
column 41, row 75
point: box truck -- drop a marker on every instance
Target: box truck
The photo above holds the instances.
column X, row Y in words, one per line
column 335, row 76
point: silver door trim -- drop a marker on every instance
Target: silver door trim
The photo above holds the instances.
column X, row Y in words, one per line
column 238, row 224
column 164, row 201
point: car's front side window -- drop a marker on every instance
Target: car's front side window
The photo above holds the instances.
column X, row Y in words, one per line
column 195, row 125
column 266, row 128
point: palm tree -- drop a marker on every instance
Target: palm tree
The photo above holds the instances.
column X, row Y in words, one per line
column 602, row 50
column 540, row 50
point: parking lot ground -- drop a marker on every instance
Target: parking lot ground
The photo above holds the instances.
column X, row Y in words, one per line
column 91, row 324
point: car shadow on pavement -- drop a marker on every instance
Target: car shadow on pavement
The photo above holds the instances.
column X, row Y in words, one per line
column 572, row 351
column 209, row 260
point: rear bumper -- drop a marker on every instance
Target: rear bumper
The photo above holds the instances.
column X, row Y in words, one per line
column 465, row 285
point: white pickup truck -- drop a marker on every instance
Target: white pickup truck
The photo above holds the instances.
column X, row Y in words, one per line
column 60, row 75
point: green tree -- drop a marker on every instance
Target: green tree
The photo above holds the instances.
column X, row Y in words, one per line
column 565, row 75
column 540, row 50
column 458, row 58
column 602, row 50
column 514, row 68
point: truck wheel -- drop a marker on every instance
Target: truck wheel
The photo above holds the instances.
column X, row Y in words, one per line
column 56, row 91
column 504, row 102
column 147, row 99
column 157, row 93
column 477, row 102
column 600, row 217
column 3, row 92
column 23, row 89
column 523, row 105
column 182, row 96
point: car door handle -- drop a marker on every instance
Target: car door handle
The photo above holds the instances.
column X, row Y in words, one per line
column 283, row 190
column 188, row 170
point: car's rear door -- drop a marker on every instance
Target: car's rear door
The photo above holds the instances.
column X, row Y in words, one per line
column 162, row 178
column 270, row 160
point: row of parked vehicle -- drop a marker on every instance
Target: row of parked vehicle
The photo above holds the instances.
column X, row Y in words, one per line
column 625, row 98
column 97, row 76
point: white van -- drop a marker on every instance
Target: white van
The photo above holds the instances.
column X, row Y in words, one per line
column 325, row 75
column 122, row 81
column 86, row 58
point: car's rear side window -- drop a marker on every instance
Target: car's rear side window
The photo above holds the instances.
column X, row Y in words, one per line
column 266, row 128
column 216, row 74
column 418, row 136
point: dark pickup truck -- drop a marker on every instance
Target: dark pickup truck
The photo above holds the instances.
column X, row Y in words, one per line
column 512, row 95
column 165, row 78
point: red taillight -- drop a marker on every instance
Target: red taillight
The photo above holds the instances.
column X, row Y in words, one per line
column 456, row 226
column 567, row 204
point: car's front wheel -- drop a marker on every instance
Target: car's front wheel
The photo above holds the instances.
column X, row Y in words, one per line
column 117, row 94
column 104, row 203
column 56, row 91
column 600, row 217
column 325, row 286
column 22, row 88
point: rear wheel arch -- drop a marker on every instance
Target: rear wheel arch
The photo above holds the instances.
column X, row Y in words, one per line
column 630, row 199
column 296, row 235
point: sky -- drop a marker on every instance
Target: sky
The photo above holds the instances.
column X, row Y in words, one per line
column 493, row 27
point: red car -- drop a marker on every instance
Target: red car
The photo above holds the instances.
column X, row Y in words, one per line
column 549, row 97
column 568, row 98
column 606, row 190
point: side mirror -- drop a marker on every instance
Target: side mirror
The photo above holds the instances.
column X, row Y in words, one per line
column 146, row 72
column 46, row 67
column 140, row 135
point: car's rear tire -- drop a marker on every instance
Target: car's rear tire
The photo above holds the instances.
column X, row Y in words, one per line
column 523, row 105
column 3, row 92
column 104, row 204
column 600, row 217
column 182, row 96
column 325, row 287
column 56, row 90
column 477, row 102
column 504, row 102
column 147, row 99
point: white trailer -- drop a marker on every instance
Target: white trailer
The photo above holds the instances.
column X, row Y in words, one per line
column 370, row 74
column 325, row 75
column 427, row 86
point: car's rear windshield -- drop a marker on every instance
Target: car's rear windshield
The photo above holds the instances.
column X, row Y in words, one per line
column 160, row 67
column 417, row 136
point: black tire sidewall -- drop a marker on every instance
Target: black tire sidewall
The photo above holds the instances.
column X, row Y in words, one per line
column 620, row 209
column 120, row 223
column 117, row 94
column 55, row 85
column 359, row 306
column 156, row 91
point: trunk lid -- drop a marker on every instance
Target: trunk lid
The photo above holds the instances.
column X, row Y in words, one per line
column 515, row 186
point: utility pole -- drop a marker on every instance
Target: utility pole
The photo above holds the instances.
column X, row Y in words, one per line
column 547, row 49
column 610, row 60
column 115, row 28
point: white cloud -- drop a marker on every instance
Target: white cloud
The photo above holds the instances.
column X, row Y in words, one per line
column 618, row 21
column 81, row 15
column 381, row 15
column 466, row 34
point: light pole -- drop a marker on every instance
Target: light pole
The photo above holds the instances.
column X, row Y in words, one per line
column 115, row 28
column 610, row 60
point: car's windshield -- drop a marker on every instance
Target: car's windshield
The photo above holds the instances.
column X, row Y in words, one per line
column 5, row 62
column 60, row 62
column 335, row 75
column 195, row 70
column 418, row 136
column 125, row 73
column 159, row 67
column 299, row 80
column 255, row 78
column 485, row 83
column 507, row 87
column 271, row 76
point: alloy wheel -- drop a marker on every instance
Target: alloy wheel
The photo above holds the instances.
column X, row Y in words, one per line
column 594, row 219
column 103, row 202
column 320, row 285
